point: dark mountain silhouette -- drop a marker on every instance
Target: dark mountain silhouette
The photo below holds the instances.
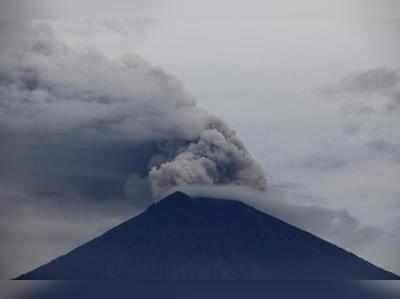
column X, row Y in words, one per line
column 183, row 238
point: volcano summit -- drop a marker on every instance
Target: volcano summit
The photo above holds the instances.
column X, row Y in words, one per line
column 184, row 238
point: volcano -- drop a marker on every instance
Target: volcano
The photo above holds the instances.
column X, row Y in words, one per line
column 185, row 238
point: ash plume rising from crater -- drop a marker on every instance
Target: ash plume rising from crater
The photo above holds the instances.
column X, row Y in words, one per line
column 76, row 122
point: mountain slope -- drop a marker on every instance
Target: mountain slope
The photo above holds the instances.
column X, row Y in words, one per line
column 182, row 238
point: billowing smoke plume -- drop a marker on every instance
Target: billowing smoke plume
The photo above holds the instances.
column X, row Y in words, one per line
column 217, row 156
column 74, row 121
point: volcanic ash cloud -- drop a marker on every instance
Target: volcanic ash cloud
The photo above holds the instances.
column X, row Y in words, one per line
column 70, row 109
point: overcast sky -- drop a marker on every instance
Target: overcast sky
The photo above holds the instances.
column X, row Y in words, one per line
column 311, row 87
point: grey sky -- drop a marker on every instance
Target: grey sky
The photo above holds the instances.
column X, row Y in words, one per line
column 265, row 67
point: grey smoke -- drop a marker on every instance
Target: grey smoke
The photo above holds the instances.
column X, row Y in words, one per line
column 74, row 121
column 217, row 157
column 370, row 101
column 372, row 91
column 372, row 81
column 386, row 148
